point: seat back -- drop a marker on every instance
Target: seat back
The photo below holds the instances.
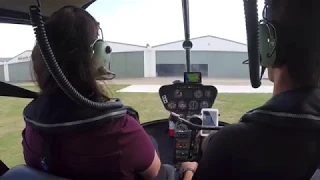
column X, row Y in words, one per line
column 27, row 173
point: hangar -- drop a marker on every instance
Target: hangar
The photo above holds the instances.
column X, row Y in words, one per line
column 127, row 61
column 17, row 69
column 213, row 56
column 2, row 68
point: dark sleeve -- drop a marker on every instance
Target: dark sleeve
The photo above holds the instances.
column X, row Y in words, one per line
column 217, row 161
column 137, row 151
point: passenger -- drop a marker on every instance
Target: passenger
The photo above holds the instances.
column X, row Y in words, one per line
column 119, row 149
column 281, row 139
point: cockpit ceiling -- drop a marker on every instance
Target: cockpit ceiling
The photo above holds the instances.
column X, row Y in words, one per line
column 17, row 11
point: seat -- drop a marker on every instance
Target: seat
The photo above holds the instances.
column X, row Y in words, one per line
column 27, row 173
column 316, row 175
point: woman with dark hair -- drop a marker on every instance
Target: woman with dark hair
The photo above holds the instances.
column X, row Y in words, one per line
column 119, row 149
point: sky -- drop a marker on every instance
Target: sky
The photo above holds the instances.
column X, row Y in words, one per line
column 144, row 22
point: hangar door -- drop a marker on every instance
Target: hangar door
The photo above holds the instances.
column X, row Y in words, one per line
column 20, row 72
column 127, row 64
column 167, row 70
column 2, row 73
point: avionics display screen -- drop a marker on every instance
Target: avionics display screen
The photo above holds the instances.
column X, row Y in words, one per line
column 209, row 119
column 192, row 77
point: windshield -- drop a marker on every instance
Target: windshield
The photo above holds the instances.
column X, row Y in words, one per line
column 146, row 38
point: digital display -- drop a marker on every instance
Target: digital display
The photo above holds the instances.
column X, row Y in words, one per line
column 192, row 77
column 209, row 119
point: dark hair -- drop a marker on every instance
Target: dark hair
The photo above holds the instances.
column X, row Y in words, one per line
column 70, row 31
column 298, row 40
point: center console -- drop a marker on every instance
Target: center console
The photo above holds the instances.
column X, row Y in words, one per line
column 182, row 145
column 187, row 99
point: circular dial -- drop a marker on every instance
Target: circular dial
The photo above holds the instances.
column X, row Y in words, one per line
column 181, row 127
column 208, row 93
column 193, row 105
column 177, row 93
column 198, row 94
column 204, row 104
column 172, row 105
column 182, row 105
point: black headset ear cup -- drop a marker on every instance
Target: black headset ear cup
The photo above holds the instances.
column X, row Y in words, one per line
column 267, row 43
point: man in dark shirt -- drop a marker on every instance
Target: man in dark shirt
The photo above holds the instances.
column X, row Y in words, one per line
column 281, row 139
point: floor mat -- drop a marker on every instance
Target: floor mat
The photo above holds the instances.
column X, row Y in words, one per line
column 159, row 131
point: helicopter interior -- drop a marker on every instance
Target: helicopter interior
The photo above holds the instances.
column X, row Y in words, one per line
column 184, row 100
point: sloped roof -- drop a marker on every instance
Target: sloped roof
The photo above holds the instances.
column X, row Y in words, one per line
column 4, row 59
column 127, row 44
column 20, row 54
column 205, row 43
column 207, row 36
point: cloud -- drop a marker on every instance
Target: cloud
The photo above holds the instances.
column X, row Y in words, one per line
column 156, row 22
column 15, row 39
column 147, row 21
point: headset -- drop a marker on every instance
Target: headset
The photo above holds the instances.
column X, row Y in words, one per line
column 101, row 55
column 267, row 41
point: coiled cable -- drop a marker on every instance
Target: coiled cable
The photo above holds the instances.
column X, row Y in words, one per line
column 252, row 27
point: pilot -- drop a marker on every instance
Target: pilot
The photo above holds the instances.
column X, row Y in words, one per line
column 281, row 139
column 118, row 149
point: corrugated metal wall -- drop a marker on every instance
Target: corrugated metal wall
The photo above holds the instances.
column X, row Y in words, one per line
column 124, row 64
column 220, row 64
column 128, row 64
column 2, row 73
column 20, row 72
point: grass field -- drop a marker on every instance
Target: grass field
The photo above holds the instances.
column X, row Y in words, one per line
column 149, row 106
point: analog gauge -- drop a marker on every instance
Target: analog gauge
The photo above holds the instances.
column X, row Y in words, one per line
column 193, row 105
column 208, row 93
column 198, row 94
column 172, row 105
column 177, row 93
column 182, row 105
column 181, row 127
column 204, row 104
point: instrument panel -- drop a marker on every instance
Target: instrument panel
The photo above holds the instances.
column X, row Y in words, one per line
column 187, row 99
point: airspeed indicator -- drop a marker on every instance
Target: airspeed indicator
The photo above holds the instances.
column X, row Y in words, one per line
column 177, row 93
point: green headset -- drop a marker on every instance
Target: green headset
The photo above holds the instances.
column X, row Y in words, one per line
column 101, row 55
column 267, row 42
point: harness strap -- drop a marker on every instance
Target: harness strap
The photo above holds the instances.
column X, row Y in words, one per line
column 3, row 168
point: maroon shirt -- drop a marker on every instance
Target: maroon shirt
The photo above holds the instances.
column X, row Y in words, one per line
column 117, row 151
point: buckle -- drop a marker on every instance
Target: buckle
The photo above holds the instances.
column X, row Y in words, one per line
column 44, row 164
